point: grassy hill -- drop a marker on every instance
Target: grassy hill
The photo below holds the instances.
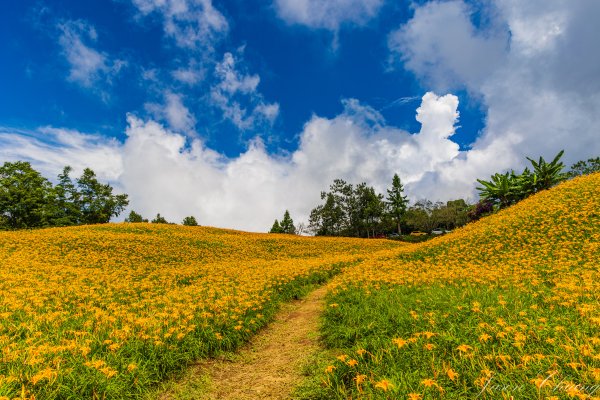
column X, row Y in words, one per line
column 507, row 306
column 107, row 311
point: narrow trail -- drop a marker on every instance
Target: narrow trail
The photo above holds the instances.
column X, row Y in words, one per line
column 268, row 367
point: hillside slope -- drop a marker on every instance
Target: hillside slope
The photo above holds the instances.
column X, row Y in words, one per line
column 506, row 306
column 107, row 311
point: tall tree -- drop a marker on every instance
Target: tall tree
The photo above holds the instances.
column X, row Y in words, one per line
column 287, row 224
column 97, row 203
column 276, row 228
column 396, row 201
column 68, row 208
column 26, row 197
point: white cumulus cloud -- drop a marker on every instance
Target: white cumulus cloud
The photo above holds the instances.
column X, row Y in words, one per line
column 165, row 171
column 532, row 65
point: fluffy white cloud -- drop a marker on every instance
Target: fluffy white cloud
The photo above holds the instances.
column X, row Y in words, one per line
column 234, row 87
column 192, row 24
column 177, row 115
column 440, row 43
column 163, row 171
column 329, row 14
column 88, row 66
column 532, row 66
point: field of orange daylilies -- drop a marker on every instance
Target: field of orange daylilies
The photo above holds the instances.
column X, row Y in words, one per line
column 505, row 307
column 508, row 307
column 107, row 311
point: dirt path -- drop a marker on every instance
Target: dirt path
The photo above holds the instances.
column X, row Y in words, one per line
column 268, row 367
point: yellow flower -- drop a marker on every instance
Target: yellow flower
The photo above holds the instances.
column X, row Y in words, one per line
column 451, row 374
column 429, row 382
column 464, row 348
column 484, row 337
column 385, row 385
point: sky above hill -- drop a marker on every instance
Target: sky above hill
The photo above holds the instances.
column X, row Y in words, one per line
column 234, row 111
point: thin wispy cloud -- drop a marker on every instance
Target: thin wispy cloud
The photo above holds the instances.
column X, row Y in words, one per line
column 88, row 67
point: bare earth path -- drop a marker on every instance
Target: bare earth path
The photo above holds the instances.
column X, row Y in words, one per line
column 268, row 367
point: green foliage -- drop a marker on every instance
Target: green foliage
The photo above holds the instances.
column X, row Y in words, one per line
column 96, row 201
column 190, row 221
column 584, row 167
column 135, row 217
column 348, row 211
column 28, row 200
column 276, row 228
column 26, row 197
column 426, row 216
column 396, row 201
column 287, row 224
column 159, row 219
column 506, row 189
column 67, row 210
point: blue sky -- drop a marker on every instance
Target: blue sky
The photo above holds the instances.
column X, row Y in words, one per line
column 300, row 69
column 236, row 110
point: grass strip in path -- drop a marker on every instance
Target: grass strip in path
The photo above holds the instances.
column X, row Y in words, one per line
column 268, row 367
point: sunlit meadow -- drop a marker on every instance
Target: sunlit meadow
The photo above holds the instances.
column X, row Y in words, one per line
column 108, row 311
column 508, row 307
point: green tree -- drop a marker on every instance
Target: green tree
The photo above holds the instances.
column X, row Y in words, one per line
column 67, row 201
column 371, row 208
column 396, row 201
column 96, row 201
column 276, row 228
column 420, row 216
column 287, row 224
column 135, row 217
column 26, row 197
column 584, row 167
column 190, row 221
column 159, row 219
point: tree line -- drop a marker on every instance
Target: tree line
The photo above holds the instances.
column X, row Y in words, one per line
column 134, row 217
column 357, row 210
column 28, row 200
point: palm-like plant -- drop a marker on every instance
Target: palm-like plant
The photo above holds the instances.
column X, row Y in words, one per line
column 509, row 188
column 547, row 174
column 501, row 189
